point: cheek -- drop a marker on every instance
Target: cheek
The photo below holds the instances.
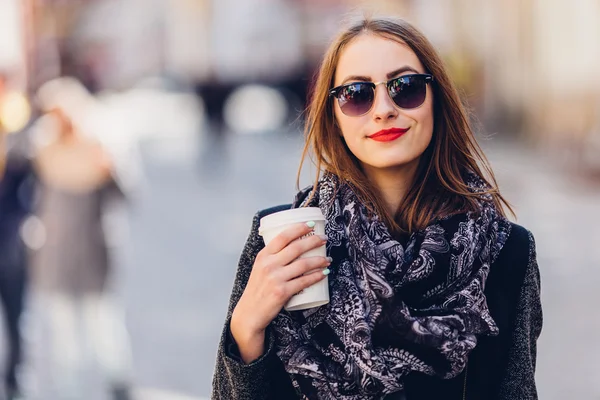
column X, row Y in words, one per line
column 345, row 124
column 341, row 120
column 425, row 121
column 352, row 131
column 351, row 128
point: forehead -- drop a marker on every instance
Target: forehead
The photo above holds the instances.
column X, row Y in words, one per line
column 374, row 56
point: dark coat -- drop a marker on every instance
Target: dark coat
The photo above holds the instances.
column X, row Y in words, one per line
column 500, row 367
column 17, row 186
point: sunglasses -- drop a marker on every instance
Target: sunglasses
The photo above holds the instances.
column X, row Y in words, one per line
column 357, row 98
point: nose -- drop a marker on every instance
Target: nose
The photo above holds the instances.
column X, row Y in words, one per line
column 383, row 107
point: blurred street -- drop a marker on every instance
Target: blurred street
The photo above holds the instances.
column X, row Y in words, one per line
column 192, row 223
column 190, row 112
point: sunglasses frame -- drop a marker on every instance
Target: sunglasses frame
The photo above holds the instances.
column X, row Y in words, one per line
column 335, row 91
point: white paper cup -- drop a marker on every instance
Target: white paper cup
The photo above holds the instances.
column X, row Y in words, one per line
column 273, row 224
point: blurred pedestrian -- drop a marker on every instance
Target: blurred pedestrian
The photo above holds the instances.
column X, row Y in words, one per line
column 72, row 267
column 434, row 293
column 16, row 196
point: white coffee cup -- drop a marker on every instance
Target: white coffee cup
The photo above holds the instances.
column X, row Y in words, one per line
column 273, row 224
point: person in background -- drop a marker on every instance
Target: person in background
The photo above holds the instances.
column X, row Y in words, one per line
column 2, row 128
column 434, row 293
column 77, row 185
column 16, row 197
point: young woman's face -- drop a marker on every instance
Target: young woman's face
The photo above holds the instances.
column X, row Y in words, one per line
column 376, row 59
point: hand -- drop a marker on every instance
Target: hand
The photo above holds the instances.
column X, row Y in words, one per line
column 277, row 275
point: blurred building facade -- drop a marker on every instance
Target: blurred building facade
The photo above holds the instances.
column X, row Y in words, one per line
column 525, row 66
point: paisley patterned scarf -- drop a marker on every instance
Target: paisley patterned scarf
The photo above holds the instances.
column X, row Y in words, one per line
column 394, row 307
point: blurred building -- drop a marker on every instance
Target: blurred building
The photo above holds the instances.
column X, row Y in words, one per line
column 533, row 60
column 525, row 66
column 13, row 42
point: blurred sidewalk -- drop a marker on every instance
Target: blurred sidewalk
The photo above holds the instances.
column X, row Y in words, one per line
column 189, row 230
column 561, row 209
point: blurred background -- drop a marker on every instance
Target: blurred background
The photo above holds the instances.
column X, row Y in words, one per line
column 197, row 109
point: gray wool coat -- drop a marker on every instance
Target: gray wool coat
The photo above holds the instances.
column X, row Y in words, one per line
column 500, row 367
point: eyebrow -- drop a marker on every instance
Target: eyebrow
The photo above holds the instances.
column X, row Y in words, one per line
column 364, row 78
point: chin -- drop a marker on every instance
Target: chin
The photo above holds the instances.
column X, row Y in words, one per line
column 391, row 161
column 391, row 164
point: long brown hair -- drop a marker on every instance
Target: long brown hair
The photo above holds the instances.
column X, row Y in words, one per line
column 439, row 188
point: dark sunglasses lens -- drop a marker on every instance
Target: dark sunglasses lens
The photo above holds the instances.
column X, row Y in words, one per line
column 355, row 99
column 408, row 91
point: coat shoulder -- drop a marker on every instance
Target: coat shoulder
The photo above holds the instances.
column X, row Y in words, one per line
column 517, row 249
column 272, row 210
column 519, row 238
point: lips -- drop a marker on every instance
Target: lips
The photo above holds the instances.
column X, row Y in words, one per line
column 387, row 135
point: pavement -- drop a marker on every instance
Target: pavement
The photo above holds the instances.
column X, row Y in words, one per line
column 189, row 225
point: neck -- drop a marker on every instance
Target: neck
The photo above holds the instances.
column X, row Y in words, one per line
column 393, row 183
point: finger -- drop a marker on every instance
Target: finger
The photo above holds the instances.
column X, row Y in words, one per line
column 304, row 281
column 303, row 266
column 292, row 233
column 299, row 247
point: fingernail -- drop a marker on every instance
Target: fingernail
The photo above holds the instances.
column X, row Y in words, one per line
column 311, row 224
column 329, row 259
column 323, row 237
column 326, row 271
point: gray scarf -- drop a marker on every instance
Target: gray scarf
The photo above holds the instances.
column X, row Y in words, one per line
column 394, row 307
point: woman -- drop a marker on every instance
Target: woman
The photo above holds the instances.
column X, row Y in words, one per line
column 78, row 185
column 434, row 293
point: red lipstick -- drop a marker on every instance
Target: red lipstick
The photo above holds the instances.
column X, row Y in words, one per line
column 387, row 135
